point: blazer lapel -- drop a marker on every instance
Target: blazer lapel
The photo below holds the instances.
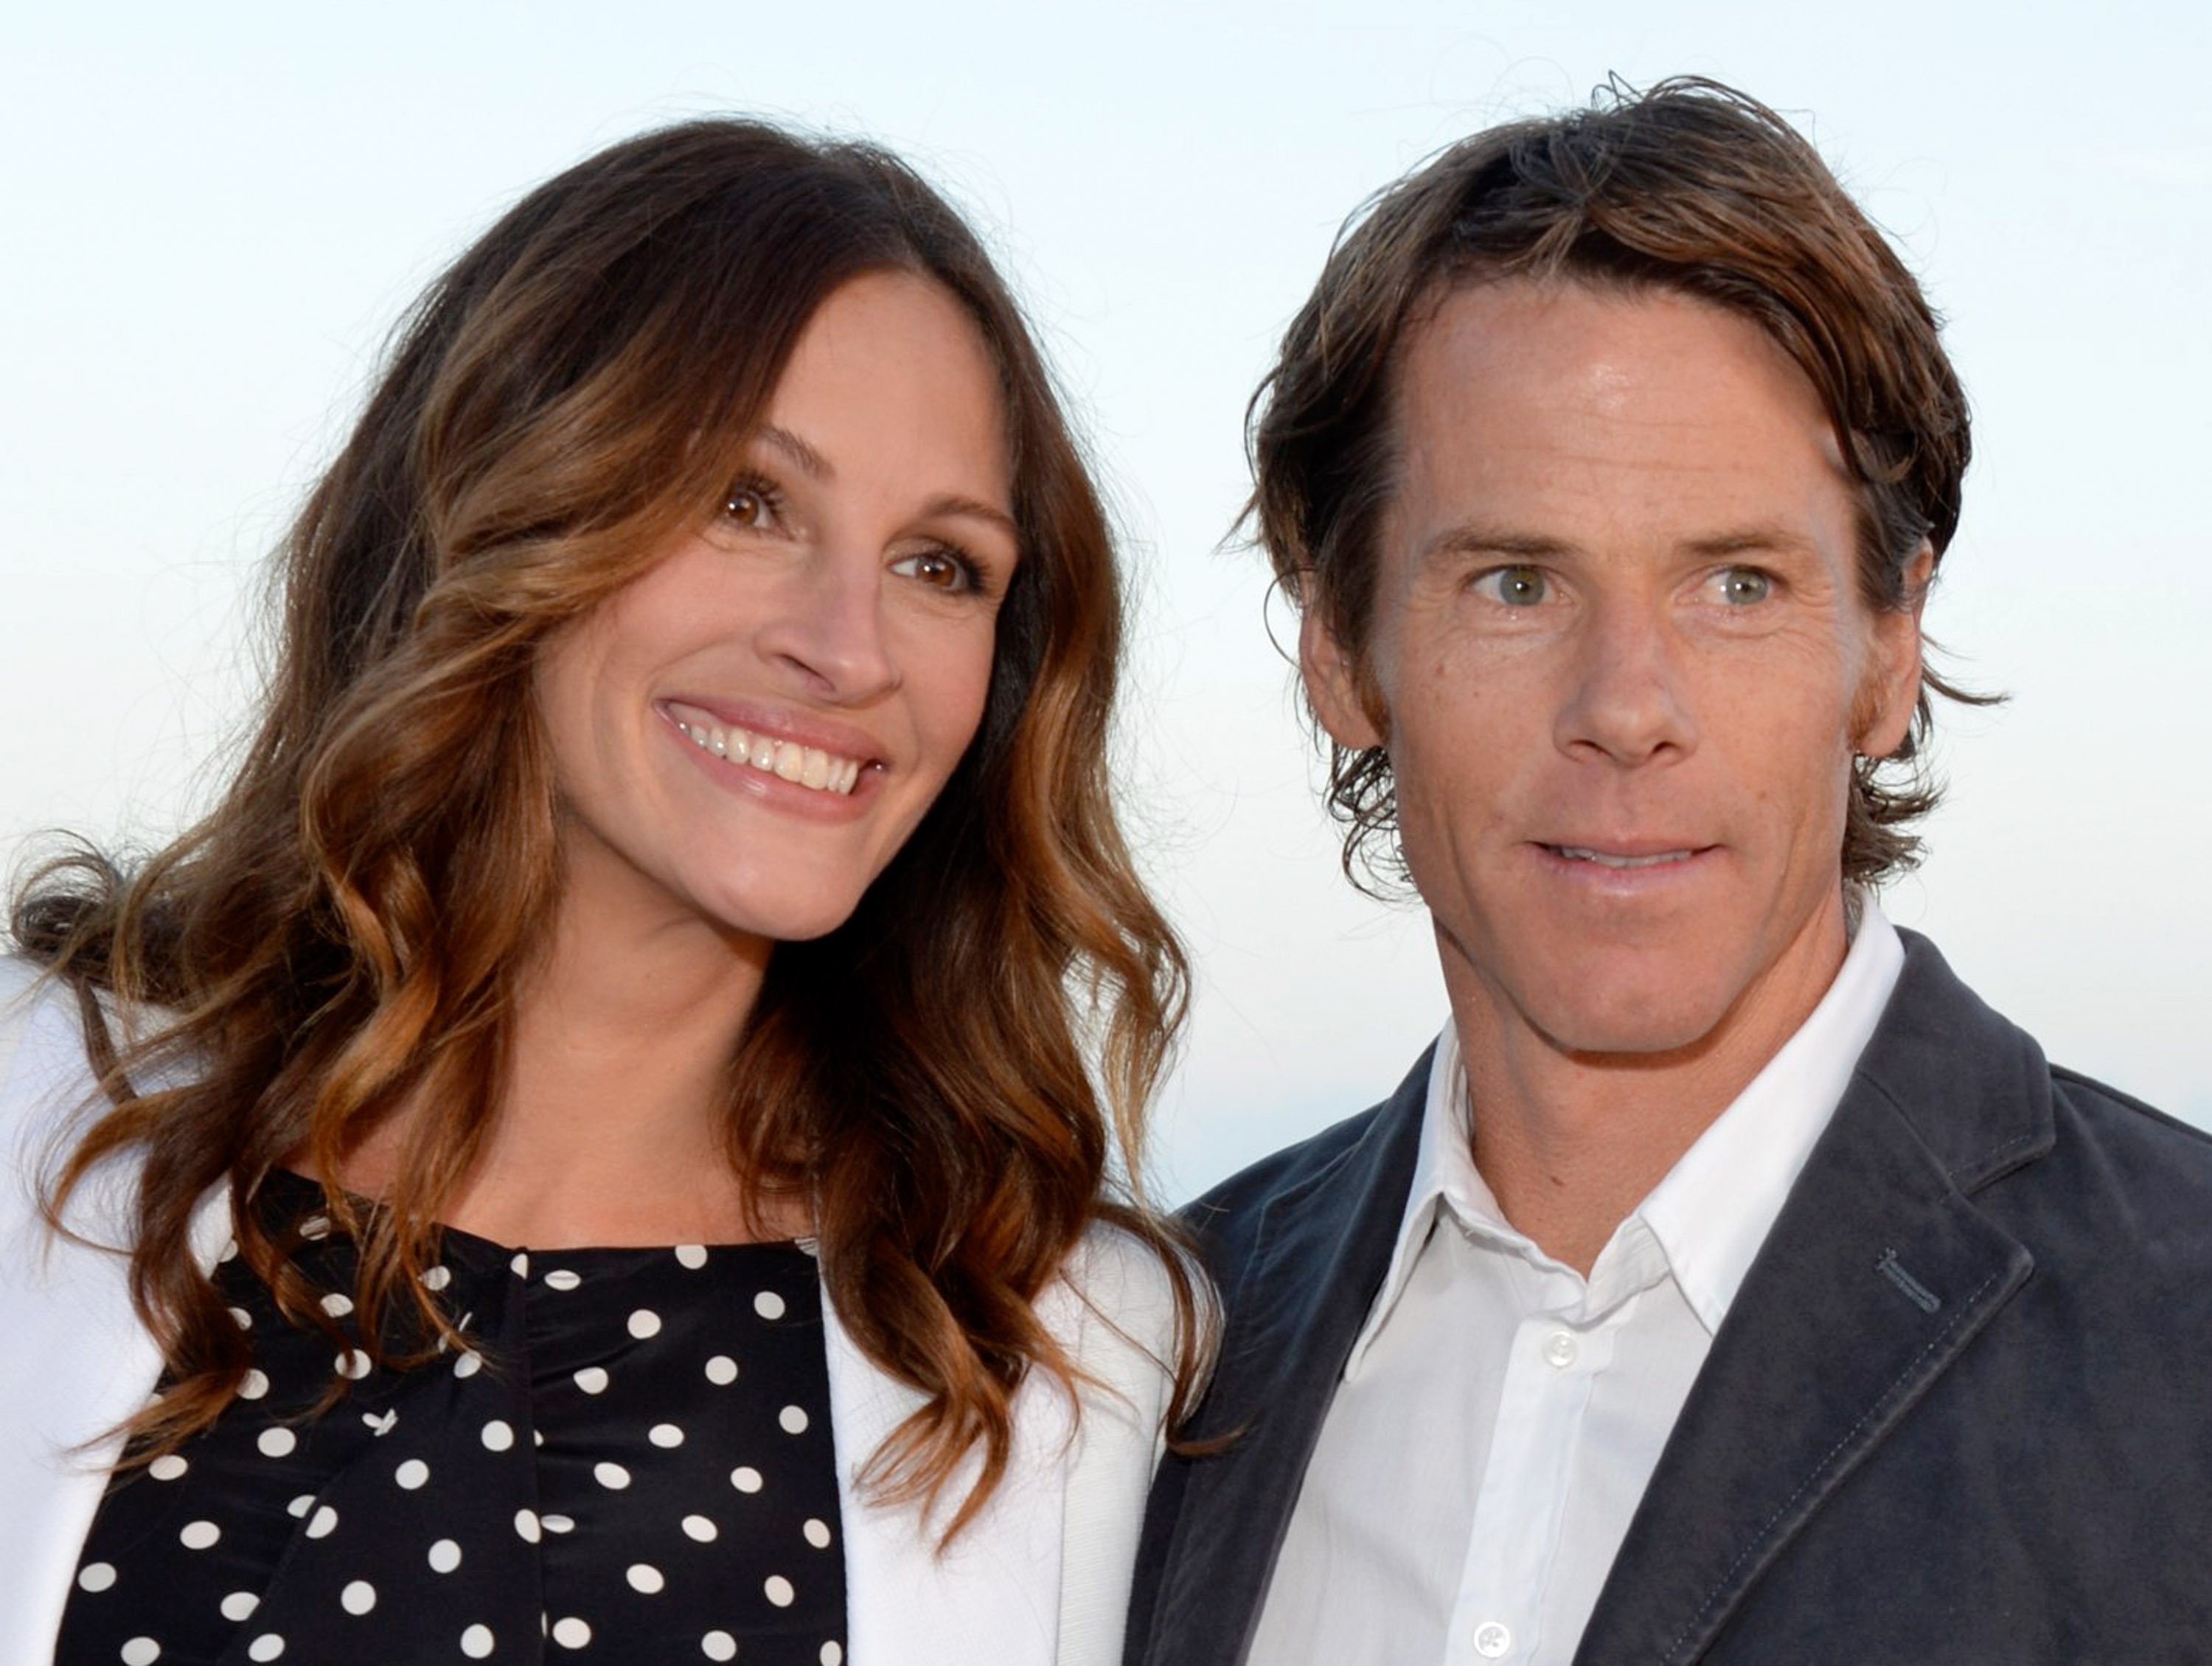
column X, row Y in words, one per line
column 1878, row 1276
column 78, row 1361
column 994, row 1594
column 1319, row 1254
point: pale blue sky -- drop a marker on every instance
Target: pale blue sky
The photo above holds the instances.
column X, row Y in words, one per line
column 215, row 212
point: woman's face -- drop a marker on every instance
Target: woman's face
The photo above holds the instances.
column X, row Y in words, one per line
column 747, row 733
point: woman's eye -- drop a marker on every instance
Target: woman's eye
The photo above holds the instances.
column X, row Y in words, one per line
column 1515, row 586
column 941, row 570
column 749, row 505
column 1744, row 587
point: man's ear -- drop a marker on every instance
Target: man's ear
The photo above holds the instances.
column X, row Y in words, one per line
column 1343, row 699
column 1892, row 689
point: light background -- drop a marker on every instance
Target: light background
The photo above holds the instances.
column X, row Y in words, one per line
column 213, row 214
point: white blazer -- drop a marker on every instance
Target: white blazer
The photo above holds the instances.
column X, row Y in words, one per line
column 1040, row 1578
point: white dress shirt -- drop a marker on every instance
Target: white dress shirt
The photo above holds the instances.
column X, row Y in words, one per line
column 1500, row 1415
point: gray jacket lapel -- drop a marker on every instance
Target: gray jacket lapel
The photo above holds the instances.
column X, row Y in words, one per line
column 1878, row 1275
column 1317, row 1253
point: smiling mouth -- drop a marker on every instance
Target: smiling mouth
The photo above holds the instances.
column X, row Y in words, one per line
column 787, row 760
column 1610, row 859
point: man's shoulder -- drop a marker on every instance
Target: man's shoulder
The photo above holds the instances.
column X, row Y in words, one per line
column 1226, row 1219
column 2148, row 1175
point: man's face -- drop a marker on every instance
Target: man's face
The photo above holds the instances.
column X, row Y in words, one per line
column 1621, row 661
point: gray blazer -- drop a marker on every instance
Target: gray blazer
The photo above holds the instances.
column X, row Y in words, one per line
column 1961, row 1411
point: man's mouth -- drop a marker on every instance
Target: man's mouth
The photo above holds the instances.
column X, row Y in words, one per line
column 787, row 760
column 1617, row 859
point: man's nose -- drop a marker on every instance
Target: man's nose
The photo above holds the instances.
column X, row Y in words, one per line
column 1628, row 699
column 830, row 626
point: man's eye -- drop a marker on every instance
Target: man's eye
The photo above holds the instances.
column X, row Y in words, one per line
column 1744, row 587
column 941, row 570
column 1515, row 586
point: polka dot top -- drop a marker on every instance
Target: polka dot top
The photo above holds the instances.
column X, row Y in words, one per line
column 630, row 1464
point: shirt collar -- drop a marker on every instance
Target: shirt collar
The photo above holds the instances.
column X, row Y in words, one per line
column 1714, row 1208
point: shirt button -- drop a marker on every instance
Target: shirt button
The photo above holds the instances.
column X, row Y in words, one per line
column 1491, row 1640
column 1559, row 1349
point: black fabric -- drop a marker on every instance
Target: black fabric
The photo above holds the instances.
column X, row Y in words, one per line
column 1960, row 1410
column 631, row 1464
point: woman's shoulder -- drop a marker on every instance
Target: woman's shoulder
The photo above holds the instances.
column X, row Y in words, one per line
column 1126, row 1317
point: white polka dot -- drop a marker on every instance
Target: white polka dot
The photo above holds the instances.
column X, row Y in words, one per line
column 693, row 1255
column 477, row 1642
column 521, row 1265
column 445, row 1556
column 381, row 1426
column 315, row 1227
column 498, row 1435
column 833, row 1654
column 167, row 1466
column 562, row 1279
column 769, row 1305
column 702, row 1528
column 302, row 1505
column 326, row 1522
column 252, row 1385
column 612, row 1476
column 240, row 1605
column 411, row 1474
column 468, row 1362
column 245, row 1320
column 338, row 1306
column 199, row 1536
column 572, row 1633
column 354, row 1365
column 665, row 1434
column 437, row 1278
column 267, row 1646
column 358, row 1598
column 645, row 1577
column 778, row 1591
column 558, row 1524
column 644, row 1324
column 817, row 1532
column 140, row 1652
column 229, row 1251
column 592, row 1379
column 96, row 1576
column 277, row 1442
column 745, row 1478
column 719, row 1646
column 721, row 1369
column 794, row 1419
column 527, row 1525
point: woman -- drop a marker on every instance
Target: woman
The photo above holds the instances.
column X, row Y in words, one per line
column 675, row 857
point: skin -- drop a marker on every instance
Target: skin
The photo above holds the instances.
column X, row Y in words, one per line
column 845, row 596
column 1616, row 610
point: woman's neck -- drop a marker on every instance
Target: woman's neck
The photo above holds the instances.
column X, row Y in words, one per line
column 609, row 1128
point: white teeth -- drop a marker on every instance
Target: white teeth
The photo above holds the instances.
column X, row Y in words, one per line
column 805, row 766
column 1604, row 858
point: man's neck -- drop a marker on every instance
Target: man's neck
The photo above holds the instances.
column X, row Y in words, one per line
column 1570, row 1143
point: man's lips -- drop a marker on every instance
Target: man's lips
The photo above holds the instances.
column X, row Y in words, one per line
column 1629, row 858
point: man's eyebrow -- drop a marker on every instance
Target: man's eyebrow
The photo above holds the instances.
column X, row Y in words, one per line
column 1474, row 539
column 1752, row 540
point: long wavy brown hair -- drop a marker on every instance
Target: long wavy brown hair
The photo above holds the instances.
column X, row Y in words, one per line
column 955, row 1079
column 1689, row 186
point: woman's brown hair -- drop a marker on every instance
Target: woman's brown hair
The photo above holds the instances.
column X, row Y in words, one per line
column 1690, row 187
column 955, row 1078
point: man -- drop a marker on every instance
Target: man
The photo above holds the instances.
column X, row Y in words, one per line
column 1728, row 1284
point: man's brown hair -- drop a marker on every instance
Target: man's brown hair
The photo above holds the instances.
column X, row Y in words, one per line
column 1691, row 188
